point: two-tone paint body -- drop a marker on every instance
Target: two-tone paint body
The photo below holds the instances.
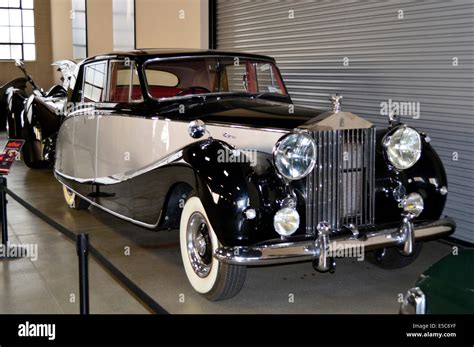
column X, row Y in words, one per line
column 137, row 161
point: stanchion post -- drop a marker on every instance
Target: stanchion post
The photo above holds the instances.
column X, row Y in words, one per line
column 3, row 209
column 82, row 253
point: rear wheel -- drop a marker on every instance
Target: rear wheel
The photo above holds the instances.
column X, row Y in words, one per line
column 212, row 279
column 73, row 200
column 391, row 258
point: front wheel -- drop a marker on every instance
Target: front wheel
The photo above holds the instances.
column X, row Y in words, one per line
column 391, row 258
column 212, row 279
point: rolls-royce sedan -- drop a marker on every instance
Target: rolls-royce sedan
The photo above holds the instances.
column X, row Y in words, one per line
column 210, row 143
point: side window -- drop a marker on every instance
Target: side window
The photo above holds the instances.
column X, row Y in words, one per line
column 94, row 82
column 124, row 82
column 267, row 81
column 236, row 78
column 161, row 78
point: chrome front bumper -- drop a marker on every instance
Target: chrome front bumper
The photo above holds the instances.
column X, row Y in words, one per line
column 276, row 251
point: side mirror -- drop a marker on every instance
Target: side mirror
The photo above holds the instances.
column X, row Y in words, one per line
column 196, row 129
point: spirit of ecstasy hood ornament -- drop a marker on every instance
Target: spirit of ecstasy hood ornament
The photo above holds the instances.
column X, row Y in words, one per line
column 336, row 103
column 336, row 119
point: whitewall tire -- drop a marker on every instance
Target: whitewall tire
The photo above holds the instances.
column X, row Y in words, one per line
column 198, row 241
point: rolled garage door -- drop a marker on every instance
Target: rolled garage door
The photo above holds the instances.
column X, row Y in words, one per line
column 416, row 53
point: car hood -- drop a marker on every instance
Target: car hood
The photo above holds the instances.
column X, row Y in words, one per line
column 449, row 284
column 454, row 270
column 251, row 112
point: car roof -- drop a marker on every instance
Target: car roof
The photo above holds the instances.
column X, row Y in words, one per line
column 146, row 54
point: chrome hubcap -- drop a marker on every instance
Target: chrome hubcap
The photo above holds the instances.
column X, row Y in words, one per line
column 199, row 246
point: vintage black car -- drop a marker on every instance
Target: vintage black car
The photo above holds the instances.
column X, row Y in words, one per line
column 26, row 115
column 210, row 143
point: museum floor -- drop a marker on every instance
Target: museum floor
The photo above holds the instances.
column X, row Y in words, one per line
column 154, row 263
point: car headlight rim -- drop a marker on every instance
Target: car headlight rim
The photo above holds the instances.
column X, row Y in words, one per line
column 305, row 156
column 403, row 147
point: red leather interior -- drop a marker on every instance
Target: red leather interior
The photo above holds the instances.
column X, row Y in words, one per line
column 163, row 92
column 120, row 93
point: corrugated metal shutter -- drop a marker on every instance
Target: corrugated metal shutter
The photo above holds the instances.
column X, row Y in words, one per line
column 410, row 59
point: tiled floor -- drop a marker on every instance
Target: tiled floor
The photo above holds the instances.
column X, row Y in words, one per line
column 154, row 263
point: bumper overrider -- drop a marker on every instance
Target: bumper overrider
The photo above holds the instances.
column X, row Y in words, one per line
column 324, row 244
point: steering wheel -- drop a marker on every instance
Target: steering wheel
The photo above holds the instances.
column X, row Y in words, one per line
column 193, row 90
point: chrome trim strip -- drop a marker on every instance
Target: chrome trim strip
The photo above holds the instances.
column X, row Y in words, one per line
column 102, row 57
column 275, row 253
column 197, row 56
column 247, row 127
column 78, row 180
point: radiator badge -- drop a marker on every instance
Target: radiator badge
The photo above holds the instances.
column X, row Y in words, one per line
column 341, row 122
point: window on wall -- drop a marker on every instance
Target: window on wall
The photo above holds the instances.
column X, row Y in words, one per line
column 17, row 30
column 79, row 32
column 124, row 24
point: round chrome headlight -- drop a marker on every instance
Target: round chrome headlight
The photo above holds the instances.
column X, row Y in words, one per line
column 294, row 156
column 403, row 147
column 286, row 221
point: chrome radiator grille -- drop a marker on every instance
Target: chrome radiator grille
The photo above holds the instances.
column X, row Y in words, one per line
column 340, row 189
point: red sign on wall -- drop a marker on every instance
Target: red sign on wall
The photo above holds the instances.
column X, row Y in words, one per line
column 10, row 153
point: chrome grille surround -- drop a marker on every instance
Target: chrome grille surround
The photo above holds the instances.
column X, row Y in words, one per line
column 340, row 189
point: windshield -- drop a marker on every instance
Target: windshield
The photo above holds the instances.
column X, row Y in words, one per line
column 172, row 78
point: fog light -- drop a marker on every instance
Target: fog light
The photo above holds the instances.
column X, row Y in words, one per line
column 413, row 204
column 286, row 221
